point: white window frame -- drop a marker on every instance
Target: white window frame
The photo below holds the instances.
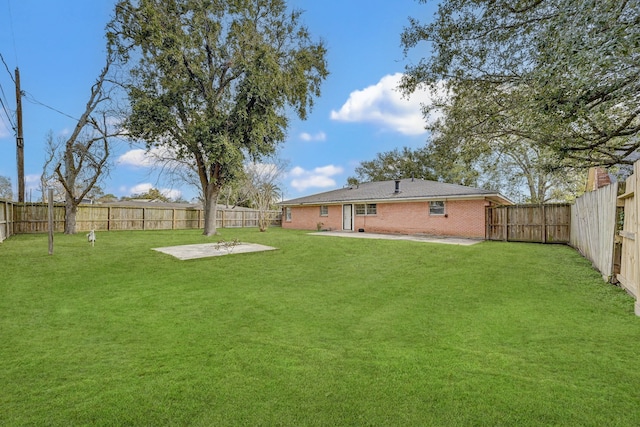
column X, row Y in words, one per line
column 439, row 205
column 365, row 209
column 324, row 210
column 287, row 214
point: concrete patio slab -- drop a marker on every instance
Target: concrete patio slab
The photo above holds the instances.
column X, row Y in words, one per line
column 416, row 238
column 205, row 250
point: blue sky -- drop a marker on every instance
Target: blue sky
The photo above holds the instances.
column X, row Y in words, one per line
column 59, row 47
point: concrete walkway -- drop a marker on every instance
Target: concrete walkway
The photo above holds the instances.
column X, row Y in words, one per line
column 416, row 238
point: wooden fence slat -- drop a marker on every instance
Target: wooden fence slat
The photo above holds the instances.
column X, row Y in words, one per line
column 548, row 223
column 593, row 219
column 636, row 208
column 6, row 219
column 629, row 276
column 31, row 218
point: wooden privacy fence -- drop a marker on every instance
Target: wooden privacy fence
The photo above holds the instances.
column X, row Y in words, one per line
column 593, row 227
column 6, row 219
column 549, row 223
column 32, row 218
column 629, row 276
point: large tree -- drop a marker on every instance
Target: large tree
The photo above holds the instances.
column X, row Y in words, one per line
column 435, row 162
column 562, row 74
column 215, row 80
column 396, row 164
column 516, row 166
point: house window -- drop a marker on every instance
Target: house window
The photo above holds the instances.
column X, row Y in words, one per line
column 287, row 214
column 436, row 208
column 324, row 210
column 368, row 209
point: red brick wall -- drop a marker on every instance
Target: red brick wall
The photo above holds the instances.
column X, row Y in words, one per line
column 307, row 218
column 463, row 218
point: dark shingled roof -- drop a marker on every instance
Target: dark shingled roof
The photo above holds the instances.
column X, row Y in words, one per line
column 410, row 189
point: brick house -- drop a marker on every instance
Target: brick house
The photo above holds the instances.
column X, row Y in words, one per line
column 406, row 206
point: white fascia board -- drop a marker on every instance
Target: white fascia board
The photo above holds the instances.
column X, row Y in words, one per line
column 401, row 199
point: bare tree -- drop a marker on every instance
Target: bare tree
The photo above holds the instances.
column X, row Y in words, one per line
column 262, row 187
column 170, row 168
column 5, row 188
column 79, row 162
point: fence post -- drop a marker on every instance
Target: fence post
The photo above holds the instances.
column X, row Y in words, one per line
column 50, row 220
column 487, row 220
column 7, row 223
column 12, row 212
column 506, row 223
column 636, row 175
column 544, row 224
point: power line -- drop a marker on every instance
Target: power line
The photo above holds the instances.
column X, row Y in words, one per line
column 4, row 95
column 7, row 68
column 4, row 102
column 13, row 126
column 13, row 35
column 4, row 123
column 29, row 97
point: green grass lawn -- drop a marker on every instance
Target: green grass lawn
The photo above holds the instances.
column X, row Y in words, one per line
column 323, row 331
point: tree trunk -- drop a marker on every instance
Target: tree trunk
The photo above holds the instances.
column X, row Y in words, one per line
column 210, row 209
column 263, row 220
column 70, row 210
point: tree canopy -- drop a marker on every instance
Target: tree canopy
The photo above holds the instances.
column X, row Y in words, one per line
column 152, row 194
column 396, row 164
column 6, row 191
column 560, row 74
column 511, row 165
column 216, row 80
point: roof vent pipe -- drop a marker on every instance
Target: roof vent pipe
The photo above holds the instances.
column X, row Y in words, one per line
column 397, row 186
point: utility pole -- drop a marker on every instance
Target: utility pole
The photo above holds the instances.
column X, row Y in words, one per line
column 19, row 139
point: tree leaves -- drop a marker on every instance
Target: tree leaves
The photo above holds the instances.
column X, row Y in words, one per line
column 215, row 80
column 561, row 74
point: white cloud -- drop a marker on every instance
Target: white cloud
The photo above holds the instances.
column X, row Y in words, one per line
column 320, row 177
column 64, row 132
column 137, row 157
column 261, row 168
column 297, row 171
column 384, row 105
column 170, row 193
column 31, row 184
column 320, row 136
column 145, row 158
column 329, row 170
column 140, row 188
column 32, row 179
